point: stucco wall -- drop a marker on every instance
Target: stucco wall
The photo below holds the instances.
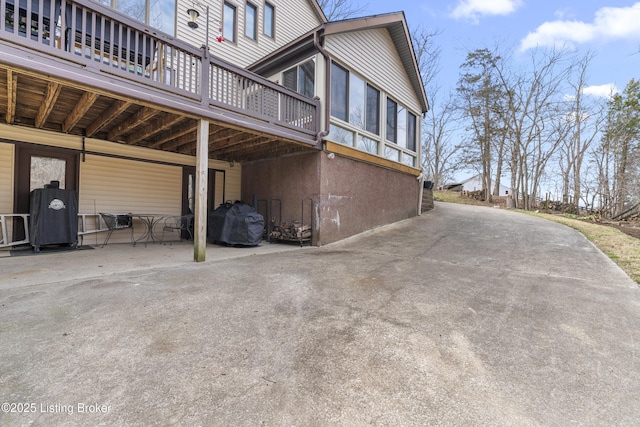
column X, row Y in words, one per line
column 349, row 196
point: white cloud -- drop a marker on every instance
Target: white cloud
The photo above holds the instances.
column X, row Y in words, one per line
column 608, row 23
column 473, row 9
column 603, row 91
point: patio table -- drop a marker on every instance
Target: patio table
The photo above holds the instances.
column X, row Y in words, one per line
column 150, row 220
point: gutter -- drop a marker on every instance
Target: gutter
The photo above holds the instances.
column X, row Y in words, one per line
column 327, row 95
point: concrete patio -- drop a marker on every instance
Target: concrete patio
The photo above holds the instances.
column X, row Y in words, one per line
column 464, row 316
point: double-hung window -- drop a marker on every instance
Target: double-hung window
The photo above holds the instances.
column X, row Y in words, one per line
column 230, row 22
column 269, row 20
column 251, row 21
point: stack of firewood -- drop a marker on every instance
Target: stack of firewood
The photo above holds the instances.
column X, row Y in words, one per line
column 291, row 231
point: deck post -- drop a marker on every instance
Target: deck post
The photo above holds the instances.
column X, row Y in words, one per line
column 202, row 169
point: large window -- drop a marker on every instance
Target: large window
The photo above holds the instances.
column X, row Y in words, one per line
column 269, row 20
column 301, row 78
column 251, row 21
column 401, row 126
column 350, row 93
column 357, row 110
column 339, row 98
column 392, row 120
column 230, row 22
column 160, row 14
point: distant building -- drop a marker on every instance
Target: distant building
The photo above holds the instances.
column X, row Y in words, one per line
column 474, row 184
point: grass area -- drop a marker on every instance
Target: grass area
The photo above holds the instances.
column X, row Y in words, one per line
column 624, row 250
column 455, row 197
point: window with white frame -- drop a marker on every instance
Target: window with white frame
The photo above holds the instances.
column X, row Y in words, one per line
column 269, row 20
column 229, row 22
column 251, row 21
column 301, row 78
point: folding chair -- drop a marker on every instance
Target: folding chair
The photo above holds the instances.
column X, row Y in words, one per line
column 117, row 222
column 182, row 224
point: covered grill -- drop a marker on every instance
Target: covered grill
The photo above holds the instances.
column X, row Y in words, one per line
column 53, row 217
column 235, row 224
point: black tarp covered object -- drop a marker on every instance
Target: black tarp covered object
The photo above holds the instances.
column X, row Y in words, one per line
column 235, row 224
column 53, row 217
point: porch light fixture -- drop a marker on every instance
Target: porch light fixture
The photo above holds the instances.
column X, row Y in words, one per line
column 193, row 21
column 193, row 16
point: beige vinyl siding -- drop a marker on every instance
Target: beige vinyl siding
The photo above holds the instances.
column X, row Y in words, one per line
column 7, row 153
column 117, row 177
column 127, row 186
column 293, row 18
column 372, row 54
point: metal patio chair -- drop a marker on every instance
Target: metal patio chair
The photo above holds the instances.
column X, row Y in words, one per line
column 183, row 224
column 117, row 222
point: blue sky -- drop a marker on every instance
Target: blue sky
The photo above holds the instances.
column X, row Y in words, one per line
column 609, row 28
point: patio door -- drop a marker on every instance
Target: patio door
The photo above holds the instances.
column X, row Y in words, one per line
column 215, row 190
column 34, row 168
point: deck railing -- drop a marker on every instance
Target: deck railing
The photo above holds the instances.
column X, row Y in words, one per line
column 101, row 38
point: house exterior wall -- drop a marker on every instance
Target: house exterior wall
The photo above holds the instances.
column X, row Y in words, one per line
column 283, row 183
column 293, row 18
column 6, row 177
column 349, row 196
column 117, row 177
column 357, row 196
column 372, row 54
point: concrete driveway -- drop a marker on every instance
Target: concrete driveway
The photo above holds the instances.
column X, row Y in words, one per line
column 464, row 316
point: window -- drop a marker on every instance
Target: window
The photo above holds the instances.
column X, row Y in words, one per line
column 269, row 20
column 229, row 25
column 251, row 21
column 411, row 132
column 392, row 120
column 373, row 110
column 401, row 126
column 160, row 14
column 47, row 169
column 339, row 81
column 351, row 93
column 301, row 78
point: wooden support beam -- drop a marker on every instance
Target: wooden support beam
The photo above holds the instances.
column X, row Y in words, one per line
column 176, row 133
column 12, row 89
column 107, row 116
column 49, row 101
column 159, row 125
column 143, row 114
column 83, row 105
column 202, row 173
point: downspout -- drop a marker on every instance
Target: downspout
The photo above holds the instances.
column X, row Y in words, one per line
column 327, row 95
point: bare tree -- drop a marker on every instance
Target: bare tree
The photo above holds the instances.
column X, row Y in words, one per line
column 622, row 143
column 535, row 123
column 439, row 149
column 584, row 121
column 336, row 10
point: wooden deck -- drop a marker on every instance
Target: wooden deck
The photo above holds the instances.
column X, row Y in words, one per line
column 96, row 73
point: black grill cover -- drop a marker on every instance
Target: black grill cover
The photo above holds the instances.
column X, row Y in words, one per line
column 235, row 224
column 53, row 217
